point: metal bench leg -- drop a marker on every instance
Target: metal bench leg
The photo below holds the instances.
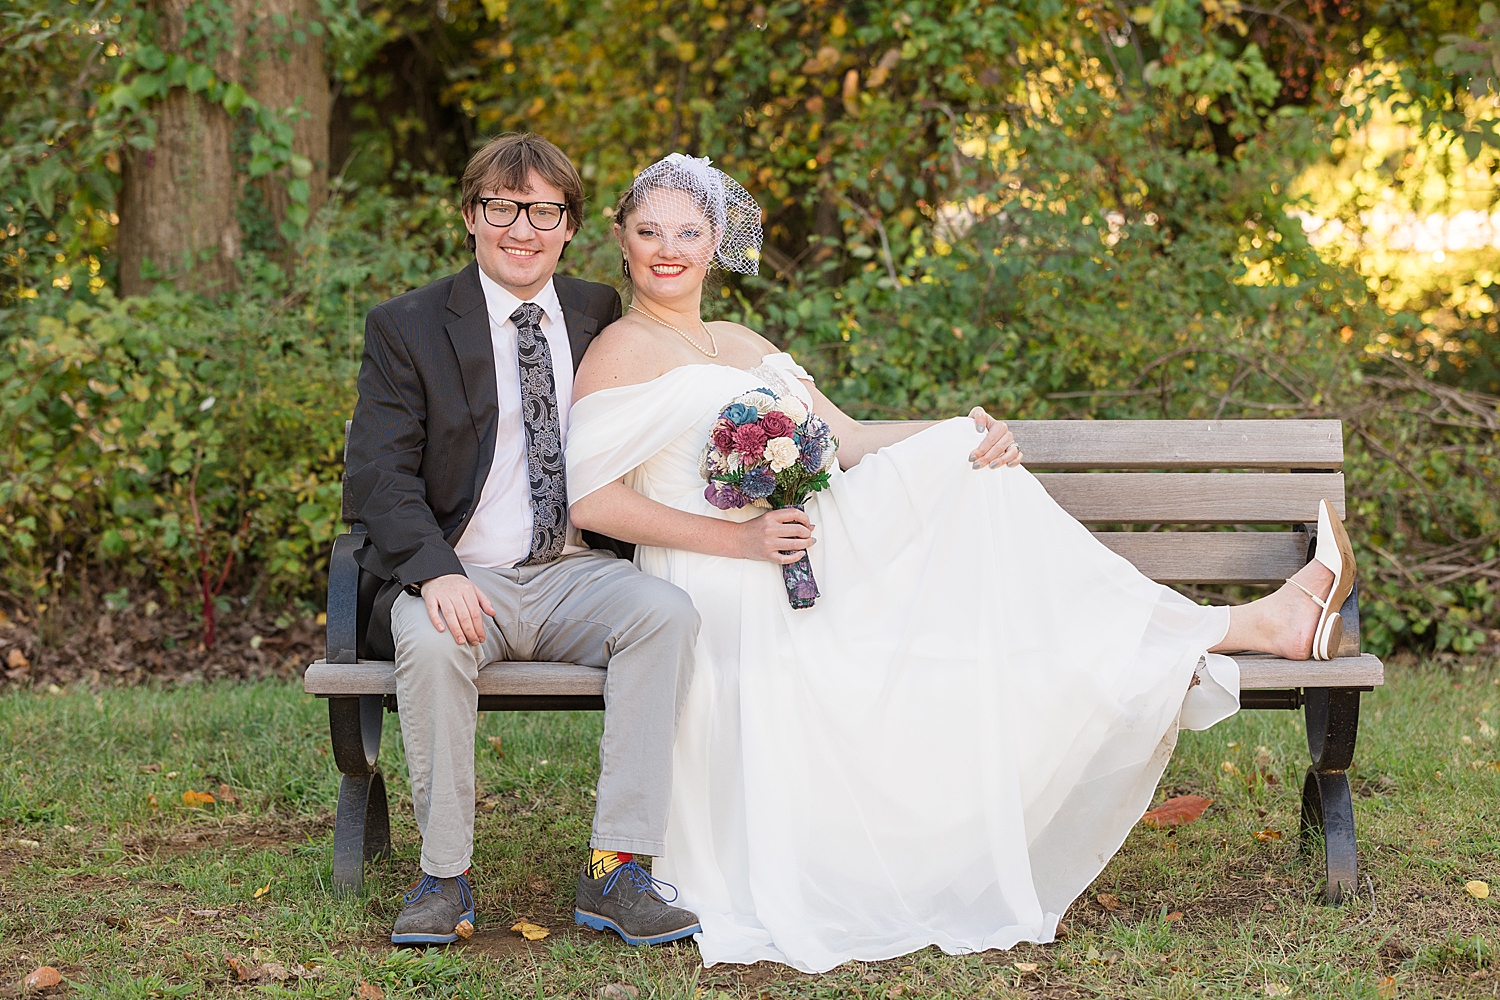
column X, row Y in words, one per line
column 362, row 827
column 1327, row 806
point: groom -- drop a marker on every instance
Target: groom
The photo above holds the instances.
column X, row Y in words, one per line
column 456, row 469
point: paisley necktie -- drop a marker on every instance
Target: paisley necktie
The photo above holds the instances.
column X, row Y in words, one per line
column 544, row 453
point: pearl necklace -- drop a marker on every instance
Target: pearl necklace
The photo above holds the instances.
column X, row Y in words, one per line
column 713, row 343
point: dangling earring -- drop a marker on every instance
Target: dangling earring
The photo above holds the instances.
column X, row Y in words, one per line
column 625, row 267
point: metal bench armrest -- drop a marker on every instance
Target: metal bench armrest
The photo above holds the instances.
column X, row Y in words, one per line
column 343, row 597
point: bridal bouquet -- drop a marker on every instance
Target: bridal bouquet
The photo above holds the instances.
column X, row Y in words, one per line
column 770, row 451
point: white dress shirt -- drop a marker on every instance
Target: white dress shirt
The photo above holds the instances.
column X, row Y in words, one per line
column 499, row 531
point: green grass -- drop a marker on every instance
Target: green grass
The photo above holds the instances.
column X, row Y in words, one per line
column 102, row 863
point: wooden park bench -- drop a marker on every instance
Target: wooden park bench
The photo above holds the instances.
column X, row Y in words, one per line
column 1118, row 474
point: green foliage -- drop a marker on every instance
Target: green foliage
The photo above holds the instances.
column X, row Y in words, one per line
column 1055, row 210
column 164, row 435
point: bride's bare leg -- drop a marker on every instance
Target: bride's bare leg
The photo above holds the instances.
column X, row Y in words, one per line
column 1281, row 624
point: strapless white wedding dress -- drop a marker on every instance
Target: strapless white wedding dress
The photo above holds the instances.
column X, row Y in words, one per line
column 951, row 744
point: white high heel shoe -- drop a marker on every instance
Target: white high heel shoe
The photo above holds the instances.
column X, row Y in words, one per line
column 1335, row 552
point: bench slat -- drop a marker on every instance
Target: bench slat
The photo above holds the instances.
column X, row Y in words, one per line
column 1211, row 556
column 1270, row 672
column 514, row 678
column 1194, row 497
column 571, row 680
column 1180, row 444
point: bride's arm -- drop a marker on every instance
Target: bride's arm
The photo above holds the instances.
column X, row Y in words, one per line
column 856, row 440
column 620, row 512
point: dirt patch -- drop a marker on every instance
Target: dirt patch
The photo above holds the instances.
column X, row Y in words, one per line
column 242, row 831
column 104, row 642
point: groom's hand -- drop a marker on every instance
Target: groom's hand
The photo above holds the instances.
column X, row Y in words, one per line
column 455, row 598
column 775, row 533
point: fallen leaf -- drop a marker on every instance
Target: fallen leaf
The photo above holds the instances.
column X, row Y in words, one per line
column 276, row 971
column 369, row 991
column 619, row 991
column 309, row 972
column 1024, row 966
column 1269, row 908
column 1173, row 917
column 495, row 742
column 152, row 801
column 1173, row 812
column 225, row 793
column 1278, row 990
column 530, row 931
column 148, row 768
column 196, row 800
column 245, row 970
column 1264, row 835
column 464, row 930
column 1386, row 988
column 173, row 774
column 1228, row 767
column 16, row 660
column 1477, row 889
column 262, row 891
column 206, row 914
column 1108, row 901
column 29, row 845
column 42, row 977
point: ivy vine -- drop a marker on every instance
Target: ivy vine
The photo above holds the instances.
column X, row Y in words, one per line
column 151, row 74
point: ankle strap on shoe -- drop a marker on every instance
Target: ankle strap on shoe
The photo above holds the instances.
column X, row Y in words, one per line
column 1316, row 599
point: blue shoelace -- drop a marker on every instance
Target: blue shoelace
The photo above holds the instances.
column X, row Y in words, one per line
column 431, row 883
column 642, row 880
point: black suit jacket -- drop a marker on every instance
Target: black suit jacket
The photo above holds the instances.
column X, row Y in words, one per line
column 424, row 429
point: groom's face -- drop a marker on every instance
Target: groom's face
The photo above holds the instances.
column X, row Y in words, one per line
column 519, row 256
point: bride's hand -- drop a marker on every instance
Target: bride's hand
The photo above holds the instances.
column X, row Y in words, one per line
column 999, row 444
column 776, row 531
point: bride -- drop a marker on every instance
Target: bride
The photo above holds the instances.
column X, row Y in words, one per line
column 949, row 746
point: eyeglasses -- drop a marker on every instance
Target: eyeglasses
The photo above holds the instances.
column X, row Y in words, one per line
column 543, row 215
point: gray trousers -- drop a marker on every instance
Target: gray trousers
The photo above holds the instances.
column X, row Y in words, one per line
column 589, row 608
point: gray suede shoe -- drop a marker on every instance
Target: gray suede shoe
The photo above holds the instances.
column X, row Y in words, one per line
column 435, row 911
column 628, row 902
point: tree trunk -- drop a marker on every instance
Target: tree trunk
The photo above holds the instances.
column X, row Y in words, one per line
column 278, row 73
column 178, row 201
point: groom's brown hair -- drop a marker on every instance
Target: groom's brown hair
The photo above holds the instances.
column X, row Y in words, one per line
column 509, row 160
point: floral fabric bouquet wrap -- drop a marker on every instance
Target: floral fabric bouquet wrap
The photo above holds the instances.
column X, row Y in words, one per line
column 770, row 451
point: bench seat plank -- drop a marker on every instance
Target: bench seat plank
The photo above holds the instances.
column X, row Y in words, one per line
column 571, row 680
column 1259, row 673
column 1180, row 444
column 1194, row 497
column 515, row 678
column 1211, row 556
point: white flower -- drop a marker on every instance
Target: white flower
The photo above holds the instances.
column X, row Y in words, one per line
column 793, row 408
column 762, row 402
column 733, row 462
column 781, row 453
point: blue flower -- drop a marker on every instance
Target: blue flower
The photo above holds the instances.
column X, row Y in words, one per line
column 812, row 456
column 758, row 484
column 739, row 414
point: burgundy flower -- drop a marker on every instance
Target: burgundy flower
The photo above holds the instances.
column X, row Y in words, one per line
column 777, row 425
column 750, row 441
column 723, row 435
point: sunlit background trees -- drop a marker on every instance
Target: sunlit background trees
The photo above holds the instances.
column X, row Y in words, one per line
column 1193, row 208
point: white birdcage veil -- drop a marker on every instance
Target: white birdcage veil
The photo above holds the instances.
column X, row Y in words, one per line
column 678, row 193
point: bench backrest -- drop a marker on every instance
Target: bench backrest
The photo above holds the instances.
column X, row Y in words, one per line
column 1156, row 487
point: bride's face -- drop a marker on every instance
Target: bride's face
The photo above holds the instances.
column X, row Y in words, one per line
column 668, row 242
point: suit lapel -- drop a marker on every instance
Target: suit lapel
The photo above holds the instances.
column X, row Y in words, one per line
column 469, row 331
column 581, row 326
